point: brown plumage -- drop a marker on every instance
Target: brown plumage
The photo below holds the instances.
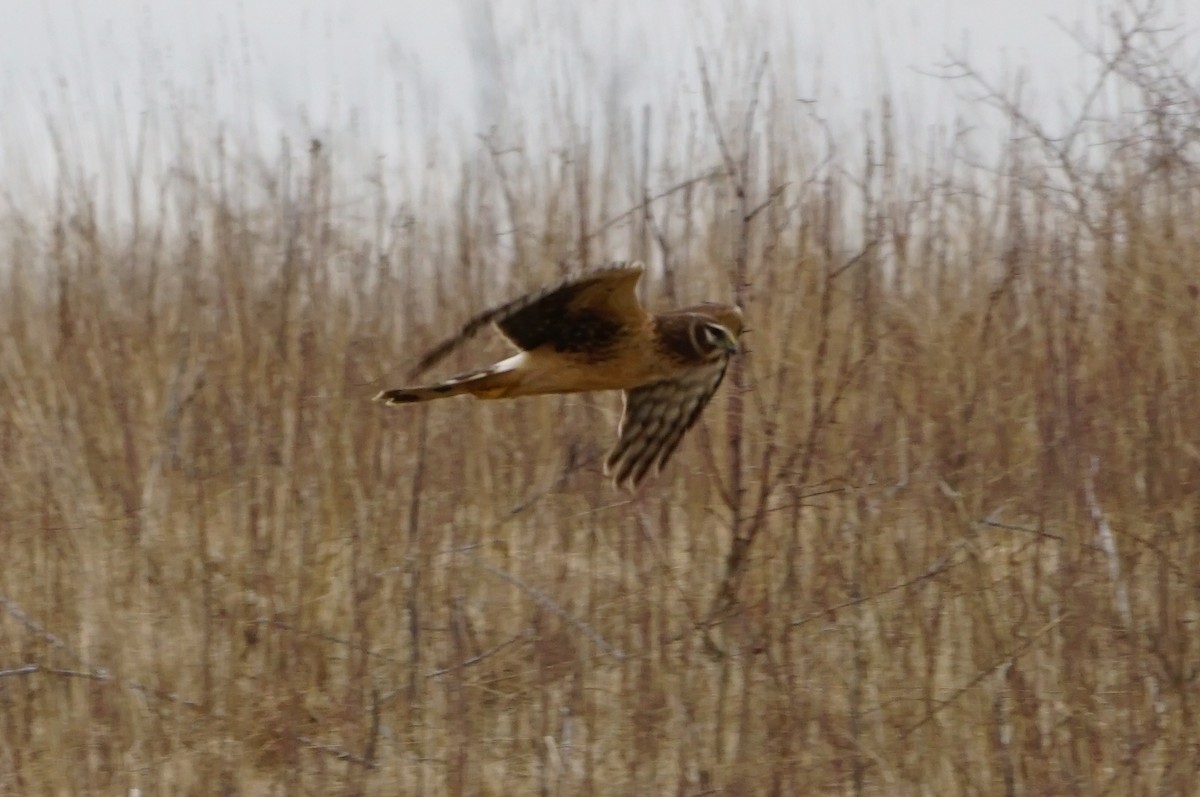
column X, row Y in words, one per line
column 591, row 333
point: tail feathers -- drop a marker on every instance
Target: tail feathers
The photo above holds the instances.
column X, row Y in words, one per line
column 410, row 395
column 494, row 382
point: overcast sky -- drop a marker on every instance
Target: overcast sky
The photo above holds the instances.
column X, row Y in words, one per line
column 380, row 75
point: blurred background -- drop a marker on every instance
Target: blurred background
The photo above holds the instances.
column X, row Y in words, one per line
column 388, row 80
column 938, row 533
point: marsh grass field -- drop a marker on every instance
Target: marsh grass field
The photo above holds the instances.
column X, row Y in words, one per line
column 939, row 532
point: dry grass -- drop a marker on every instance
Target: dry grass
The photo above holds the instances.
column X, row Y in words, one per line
column 940, row 536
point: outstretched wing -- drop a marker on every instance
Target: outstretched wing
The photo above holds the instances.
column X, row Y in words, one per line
column 583, row 313
column 655, row 419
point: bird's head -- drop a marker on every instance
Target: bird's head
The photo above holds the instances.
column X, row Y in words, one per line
column 716, row 330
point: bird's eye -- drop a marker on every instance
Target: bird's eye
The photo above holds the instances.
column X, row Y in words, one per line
column 714, row 335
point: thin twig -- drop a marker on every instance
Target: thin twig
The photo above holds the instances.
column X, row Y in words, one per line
column 340, row 753
column 984, row 673
column 542, row 599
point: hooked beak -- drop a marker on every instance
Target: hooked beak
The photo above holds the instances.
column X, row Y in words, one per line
column 736, row 346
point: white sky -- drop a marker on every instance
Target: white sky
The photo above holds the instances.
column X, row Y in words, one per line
column 379, row 76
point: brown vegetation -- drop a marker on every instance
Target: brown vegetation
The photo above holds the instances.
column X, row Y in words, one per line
column 940, row 534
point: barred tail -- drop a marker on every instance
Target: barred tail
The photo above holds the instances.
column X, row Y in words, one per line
column 490, row 383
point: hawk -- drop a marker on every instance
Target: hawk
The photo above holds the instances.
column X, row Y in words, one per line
column 590, row 333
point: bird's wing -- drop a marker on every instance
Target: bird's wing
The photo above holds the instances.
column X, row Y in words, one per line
column 655, row 419
column 582, row 313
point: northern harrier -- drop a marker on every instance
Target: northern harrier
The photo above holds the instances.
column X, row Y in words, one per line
column 591, row 333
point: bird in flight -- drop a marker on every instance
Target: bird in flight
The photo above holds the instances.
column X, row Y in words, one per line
column 590, row 333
